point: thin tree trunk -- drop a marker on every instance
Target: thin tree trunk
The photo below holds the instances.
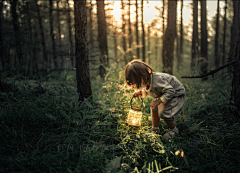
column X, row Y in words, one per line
column 129, row 30
column 177, row 41
column 169, row 37
column 216, row 55
column 143, row 35
column 224, row 33
column 195, row 34
column 234, row 32
column 115, row 39
column 102, row 37
column 163, row 11
column 59, row 33
column 31, row 53
column 82, row 62
column 204, row 58
column 235, row 94
column 1, row 37
column 181, row 35
column 124, row 32
column 17, row 33
column 149, row 48
column 156, row 48
column 35, row 41
column 52, row 34
column 136, row 25
column 70, row 34
column 45, row 55
column 91, row 24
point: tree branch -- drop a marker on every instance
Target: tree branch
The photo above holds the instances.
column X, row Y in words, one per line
column 212, row 71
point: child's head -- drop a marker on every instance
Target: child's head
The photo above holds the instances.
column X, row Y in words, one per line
column 137, row 72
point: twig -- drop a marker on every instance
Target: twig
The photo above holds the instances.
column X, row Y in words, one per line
column 212, row 71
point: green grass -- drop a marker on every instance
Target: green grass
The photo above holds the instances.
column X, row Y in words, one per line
column 45, row 129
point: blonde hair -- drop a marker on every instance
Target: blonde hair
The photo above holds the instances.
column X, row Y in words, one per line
column 137, row 71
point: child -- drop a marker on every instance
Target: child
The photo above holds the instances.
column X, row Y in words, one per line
column 167, row 90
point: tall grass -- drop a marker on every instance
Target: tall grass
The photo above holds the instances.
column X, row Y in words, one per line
column 45, row 129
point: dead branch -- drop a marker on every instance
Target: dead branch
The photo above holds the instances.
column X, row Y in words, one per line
column 212, row 71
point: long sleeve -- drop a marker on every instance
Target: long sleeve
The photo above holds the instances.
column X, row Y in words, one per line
column 162, row 86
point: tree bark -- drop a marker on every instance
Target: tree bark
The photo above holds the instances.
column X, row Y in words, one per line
column 136, row 25
column 143, row 35
column 124, row 32
column 195, row 34
column 163, row 26
column 1, row 36
column 216, row 55
column 17, row 32
column 70, row 34
column 204, row 59
column 52, row 34
column 235, row 94
column 224, row 33
column 31, row 46
column 169, row 37
column 59, row 32
column 91, row 24
column 45, row 55
column 181, row 36
column 102, row 37
column 82, row 62
column 234, row 32
column 149, row 42
column 129, row 30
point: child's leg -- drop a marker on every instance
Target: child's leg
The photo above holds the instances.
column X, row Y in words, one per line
column 170, row 123
column 155, row 119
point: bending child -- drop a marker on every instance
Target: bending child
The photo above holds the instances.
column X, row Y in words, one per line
column 167, row 90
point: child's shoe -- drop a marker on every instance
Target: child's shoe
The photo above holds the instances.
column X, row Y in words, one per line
column 171, row 133
column 154, row 130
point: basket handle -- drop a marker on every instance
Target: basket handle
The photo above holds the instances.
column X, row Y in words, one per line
column 131, row 101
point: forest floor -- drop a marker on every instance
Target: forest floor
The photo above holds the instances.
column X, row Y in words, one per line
column 45, row 129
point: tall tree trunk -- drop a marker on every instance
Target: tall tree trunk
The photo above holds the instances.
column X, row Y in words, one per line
column 115, row 40
column 149, row 48
column 143, row 35
column 169, row 37
column 52, row 34
column 204, row 58
column 30, row 51
column 1, row 37
column 59, row 33
column 163, row 19
column 195, row 34
column 82, row 62
column 35, row 41
column 129, row 30
column 17, row 33
column 234, row 32
column 45, row 55
column 156, row 48
column 177, row 41
column 181, row 36
column 224, row 33
column 102, row 37
column 91, row 24
column 235, row 94
column 216, row 55
column 124, row 32
column 136, row 25
column 70, row 33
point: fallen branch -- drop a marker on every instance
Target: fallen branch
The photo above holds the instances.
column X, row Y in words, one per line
column 212, row 71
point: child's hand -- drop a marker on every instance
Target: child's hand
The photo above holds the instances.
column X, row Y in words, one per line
column 137, row 93
column 155, row 103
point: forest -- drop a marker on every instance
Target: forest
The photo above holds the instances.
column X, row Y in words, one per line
column 64, row 101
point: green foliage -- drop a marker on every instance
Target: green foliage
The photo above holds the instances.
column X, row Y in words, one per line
column 45, row 129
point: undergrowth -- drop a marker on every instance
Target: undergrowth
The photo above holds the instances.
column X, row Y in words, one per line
column 45, row 129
